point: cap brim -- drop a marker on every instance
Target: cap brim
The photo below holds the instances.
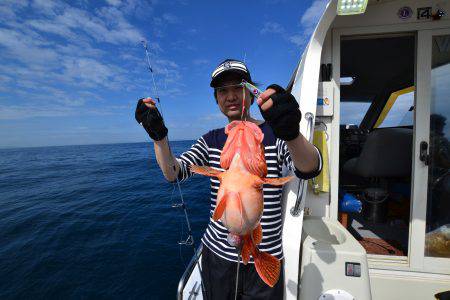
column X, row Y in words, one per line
column 215, row 81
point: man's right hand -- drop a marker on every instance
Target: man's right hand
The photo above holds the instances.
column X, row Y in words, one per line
column 149, row 117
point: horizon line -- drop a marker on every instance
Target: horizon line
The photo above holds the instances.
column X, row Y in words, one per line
column 88, row 144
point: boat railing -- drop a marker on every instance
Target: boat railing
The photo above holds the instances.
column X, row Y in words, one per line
column 187, row 273
column 295, row 210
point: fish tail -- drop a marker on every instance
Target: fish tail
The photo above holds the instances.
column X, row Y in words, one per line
column 267, row 266
column 250, row 242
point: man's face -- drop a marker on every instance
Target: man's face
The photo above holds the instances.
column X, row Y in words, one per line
column 229, row 96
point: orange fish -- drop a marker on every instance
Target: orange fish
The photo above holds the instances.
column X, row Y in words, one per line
column 240, row 199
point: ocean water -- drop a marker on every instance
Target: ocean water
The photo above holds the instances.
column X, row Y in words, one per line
column 94, row 222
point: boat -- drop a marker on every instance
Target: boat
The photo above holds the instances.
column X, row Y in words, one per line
column 373, row 85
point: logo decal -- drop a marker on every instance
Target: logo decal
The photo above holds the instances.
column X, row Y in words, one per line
column 405, row 12
column 424, row 13
column 227, row 65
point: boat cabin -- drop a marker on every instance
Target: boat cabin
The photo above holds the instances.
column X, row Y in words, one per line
column 374, row 91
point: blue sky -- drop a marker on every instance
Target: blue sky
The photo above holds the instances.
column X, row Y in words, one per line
column 72, row 71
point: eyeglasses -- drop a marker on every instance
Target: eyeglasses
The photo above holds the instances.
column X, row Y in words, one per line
column 234, row 88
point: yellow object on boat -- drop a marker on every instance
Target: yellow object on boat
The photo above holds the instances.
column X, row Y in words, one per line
column 321, row 183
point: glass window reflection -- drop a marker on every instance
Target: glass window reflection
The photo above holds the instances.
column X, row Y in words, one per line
column 437, row 239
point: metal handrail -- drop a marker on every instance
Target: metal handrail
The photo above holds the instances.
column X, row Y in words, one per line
column 295, row 210
column 187, row 273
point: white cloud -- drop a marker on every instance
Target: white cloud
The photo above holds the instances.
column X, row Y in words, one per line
column 272, row 27
column 312, row 15
column 298, row 39
column 114, row 2
column 48, row 7
column 117, row 32
column 15, row 112
column 213, row 117
column 8, row 9
column 200, row 61
column 192, row 31
column 308, row 21
column 26, row 48
column 274, row 2
column 90, row 72
column 170, row 18
column 60, row 54
column 54, row 28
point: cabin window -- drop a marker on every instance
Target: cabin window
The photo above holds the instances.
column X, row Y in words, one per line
column 399, row 109
column 437, row 238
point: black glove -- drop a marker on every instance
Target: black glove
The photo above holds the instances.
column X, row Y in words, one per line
column 151, row 120
column 284, row 116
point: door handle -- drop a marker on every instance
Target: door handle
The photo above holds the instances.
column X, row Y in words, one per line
column 423, row 155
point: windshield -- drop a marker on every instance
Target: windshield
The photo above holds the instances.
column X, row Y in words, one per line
column 352, row 112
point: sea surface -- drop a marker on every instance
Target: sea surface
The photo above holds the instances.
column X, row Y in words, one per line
column 94, row 222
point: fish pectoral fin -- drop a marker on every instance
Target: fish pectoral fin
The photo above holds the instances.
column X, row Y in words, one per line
column 277, row 181
column 257, row 234
column 220, row 207
column 268, row 267
column 258, row 183
column 207, row 171
column 223, row 202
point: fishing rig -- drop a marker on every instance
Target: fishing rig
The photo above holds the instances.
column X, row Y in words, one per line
column 189, row 240
column 234, row 240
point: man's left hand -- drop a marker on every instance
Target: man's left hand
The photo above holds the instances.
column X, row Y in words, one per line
column 281, row 111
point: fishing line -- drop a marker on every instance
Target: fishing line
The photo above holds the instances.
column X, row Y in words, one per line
column 237, row 273
column 243, row 117
column 189, row 241
column 181, row 228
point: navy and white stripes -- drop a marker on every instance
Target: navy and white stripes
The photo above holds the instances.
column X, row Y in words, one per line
column 206, row 152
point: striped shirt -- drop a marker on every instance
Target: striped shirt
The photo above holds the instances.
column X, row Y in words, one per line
column 206, row 152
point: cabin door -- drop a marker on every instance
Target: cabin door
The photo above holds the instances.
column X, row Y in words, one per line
column 394, row 147
column 430, row 246
column 377, row 125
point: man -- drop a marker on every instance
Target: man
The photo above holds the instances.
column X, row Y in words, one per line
column 284, row 145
